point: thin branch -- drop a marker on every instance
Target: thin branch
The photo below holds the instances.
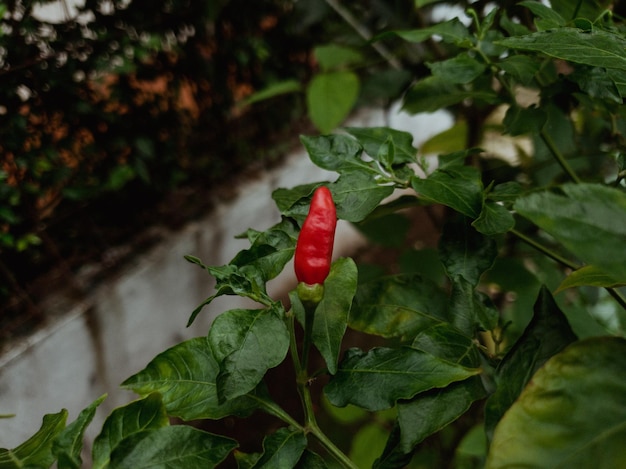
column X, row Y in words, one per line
column 364, row 33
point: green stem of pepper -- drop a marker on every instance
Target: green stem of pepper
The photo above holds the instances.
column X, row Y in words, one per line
column 302, row 381
column 558, row 156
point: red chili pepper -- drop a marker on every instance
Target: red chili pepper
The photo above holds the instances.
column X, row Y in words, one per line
column 314, row 248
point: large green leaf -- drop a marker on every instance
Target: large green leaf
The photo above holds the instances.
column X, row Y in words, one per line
column 68, row 445
column 547, row 334
column 397, row 306
column 588, row 219
column 372, row 138
column 136, row 417
column 432, row 93
column 452, row 31
column 311, row 460
column 331, row 314
column 376, row 379
column 546, row 17
column 519, row 120
column 597, row 48
column 186, row 375
column 572, row 413
column 295, row 202
column 246, row 281
column 335, row 152
column 282, row 449
column 453, row 184
column 333, row 56
column 238, row 339
column 522, row 67
column 460, row 69
column 330, row 98
column 270, row 251
column 588, row 275
column 36, row 452
column 171, row 447
column 494, row 219
column 464, row 251
column 470, row 309
column 357, row 194
column 431, row 411
column 590, row 9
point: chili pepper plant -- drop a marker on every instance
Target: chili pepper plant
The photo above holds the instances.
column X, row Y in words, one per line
column 500, row 346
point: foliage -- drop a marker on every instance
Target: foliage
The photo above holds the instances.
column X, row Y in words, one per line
column 108, row 109
column 471, row 359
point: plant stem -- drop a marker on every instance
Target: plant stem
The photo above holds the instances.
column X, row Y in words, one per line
column 567, row 263
column 547, row 139
column 364, row 33
column 545, row 250
column 302, row 381
column 274, row 409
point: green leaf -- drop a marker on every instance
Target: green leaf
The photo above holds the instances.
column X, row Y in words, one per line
column 373, row 138
column 233, row 280
column 460, row 69
column 330, row 98
column 332, row 56
column 572, row 413
column 599, row 83
column 186, row 375
column 376, row 379
column 357, row 194
column 464, row 251
column 590, row 9
column 69, row 444
column 36, row 452
column 388, row 230
column 331, row 314
column 239, row 339
column 367, row 444
column 451, row 140
column 597, row 48
column 521, row 67
column 521, row 121
column 451, row 31
column 506, row 192
column 432, row 410
column 546, row 17
column 547, row 334
column 432, row 93
column 588, row 275
column 455, row 185
column 470, row 310
column 397, row 306
column 311, row 460
column 335, row 152
column 449, row 343
column 583, row 215
column 494, row 219
column 295, row 202
column 138, row 416
column 282, row 449
column 273, row 90
column 269, row 253
column 171, row 447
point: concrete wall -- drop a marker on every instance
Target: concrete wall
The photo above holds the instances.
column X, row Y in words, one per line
column 95, row 344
